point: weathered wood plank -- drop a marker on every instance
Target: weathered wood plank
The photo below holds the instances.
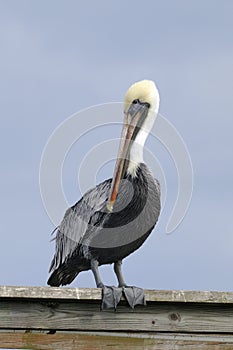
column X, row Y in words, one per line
column 171, row 320
column 95, row 294
column 86, row 316
column 60, row 341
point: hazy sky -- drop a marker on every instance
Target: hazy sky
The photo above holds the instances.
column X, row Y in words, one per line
column 58, row 57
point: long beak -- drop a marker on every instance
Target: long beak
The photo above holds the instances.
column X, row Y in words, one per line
column 133, row 121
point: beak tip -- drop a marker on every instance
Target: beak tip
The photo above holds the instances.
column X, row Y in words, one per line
column 110, row 206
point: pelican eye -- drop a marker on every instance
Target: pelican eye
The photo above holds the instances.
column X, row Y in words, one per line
column 147, row 104
column 136, row 101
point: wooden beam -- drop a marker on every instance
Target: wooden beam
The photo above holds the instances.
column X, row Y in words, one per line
column 70, row 341
column 95, row 294
column 73, row 315
column 159, row 317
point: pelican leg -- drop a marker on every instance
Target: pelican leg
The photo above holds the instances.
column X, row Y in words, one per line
column 133, row 295
column 110, row 295
column 95, row 270
column 118, row 272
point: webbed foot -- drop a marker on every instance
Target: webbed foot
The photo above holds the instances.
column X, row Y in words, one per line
column 134, row 296
column 111, row 297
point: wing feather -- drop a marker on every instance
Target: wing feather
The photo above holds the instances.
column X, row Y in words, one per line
column 74, row 225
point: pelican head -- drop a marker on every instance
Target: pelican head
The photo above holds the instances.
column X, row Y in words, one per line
column 143, row 91
column 141, row 106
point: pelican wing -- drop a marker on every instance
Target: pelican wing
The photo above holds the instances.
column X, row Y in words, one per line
column 75, row 223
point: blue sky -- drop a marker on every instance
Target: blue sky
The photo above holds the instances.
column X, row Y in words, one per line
column 58, row 57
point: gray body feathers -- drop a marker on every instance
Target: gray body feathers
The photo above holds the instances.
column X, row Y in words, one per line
column 88, row 231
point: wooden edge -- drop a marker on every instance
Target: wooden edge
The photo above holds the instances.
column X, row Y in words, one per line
column 95, row 294
column 138, row 335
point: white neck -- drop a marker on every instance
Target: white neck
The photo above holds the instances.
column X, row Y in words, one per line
column 136, row 151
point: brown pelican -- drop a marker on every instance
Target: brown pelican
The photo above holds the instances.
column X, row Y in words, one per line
column 113, row 219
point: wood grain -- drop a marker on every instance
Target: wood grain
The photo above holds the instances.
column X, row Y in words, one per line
column 171, row 320
column 159, row 317
column 95, row 294
column 61, row 341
